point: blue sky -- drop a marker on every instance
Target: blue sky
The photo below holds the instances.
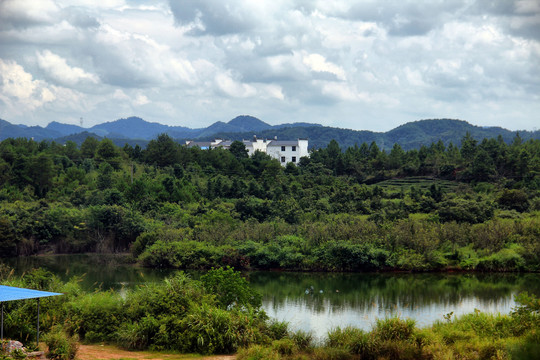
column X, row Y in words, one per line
column 354, row 64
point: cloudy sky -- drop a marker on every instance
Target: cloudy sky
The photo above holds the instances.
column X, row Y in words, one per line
column 353, row 64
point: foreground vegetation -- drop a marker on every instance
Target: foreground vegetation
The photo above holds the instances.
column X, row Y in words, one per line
column 221, row 314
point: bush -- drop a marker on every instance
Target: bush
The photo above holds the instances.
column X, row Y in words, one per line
column 505, row 260
column 231, row 288
column 528, row 348
column 95, row 317
column 394, row 329
column 208, row 330
column 465, row 211
column 514, row 199
column 467, row 257
column 60, row 345
column 137, row 335
column 332, row 353
column 354, row 340
column 285, row 346
column 181, row 254
column 344, row 256
column 302, row 339
column 258, row 352
column 278, row 329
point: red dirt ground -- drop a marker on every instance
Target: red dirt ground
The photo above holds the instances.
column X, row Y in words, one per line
column 106, row 352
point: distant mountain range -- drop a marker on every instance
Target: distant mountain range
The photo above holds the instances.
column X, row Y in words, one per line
column 135, row 130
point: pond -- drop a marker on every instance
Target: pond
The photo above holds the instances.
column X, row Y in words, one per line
column 318, row 302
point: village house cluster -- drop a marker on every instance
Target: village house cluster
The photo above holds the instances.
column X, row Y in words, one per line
column 284, row 151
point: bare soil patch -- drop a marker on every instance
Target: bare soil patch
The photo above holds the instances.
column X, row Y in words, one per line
column 108, row 352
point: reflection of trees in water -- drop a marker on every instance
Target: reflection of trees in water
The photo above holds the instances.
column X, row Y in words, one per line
column 97, row 270
column 340, row 291
column 387, row 292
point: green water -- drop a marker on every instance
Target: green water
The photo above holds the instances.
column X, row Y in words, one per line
column 318, row 302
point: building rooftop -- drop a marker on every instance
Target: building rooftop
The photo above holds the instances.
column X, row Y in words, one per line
column 283, row 143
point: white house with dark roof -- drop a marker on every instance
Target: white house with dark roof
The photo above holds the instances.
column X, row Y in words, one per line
column 284, row 151
column 287, row 151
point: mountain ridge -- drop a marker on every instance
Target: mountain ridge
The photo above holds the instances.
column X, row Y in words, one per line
column 137, row 130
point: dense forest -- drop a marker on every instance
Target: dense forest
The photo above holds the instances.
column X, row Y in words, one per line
column 470, row 206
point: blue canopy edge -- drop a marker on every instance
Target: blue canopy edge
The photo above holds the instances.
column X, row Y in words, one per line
column 10, row 293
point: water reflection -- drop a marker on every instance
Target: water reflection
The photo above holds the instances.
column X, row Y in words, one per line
column 96, row 271
column 320, row 301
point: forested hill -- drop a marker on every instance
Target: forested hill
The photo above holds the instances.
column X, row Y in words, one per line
column 411, row 135
column 135, row 130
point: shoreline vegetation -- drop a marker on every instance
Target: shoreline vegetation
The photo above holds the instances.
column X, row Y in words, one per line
column 183, row 315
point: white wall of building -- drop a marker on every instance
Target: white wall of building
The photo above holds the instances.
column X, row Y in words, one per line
column 288, row 151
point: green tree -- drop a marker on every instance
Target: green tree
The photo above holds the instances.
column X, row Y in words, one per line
column 104, row 179
column 89, row 147
column 238, row 149
column 162, row 151
column 396, row 157
column 482, row 168
column 106, row 150
column 8, row 238
column 468, row 147
column 515, row 199
column 40, row 172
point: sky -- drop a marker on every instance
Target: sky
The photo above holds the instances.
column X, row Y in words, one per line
column 364, row 65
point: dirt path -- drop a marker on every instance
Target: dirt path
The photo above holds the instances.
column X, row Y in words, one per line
column 107, row 352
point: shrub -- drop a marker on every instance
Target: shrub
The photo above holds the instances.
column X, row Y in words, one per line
column 408, row 259
column 285, row 346
column 344, row 256
column 467, row 257
column 231, row 288
column 394, row 329
column 302, row 339
column 137, row 335
column 504, row 260
column 528, row 348
column 60, row 345
column 332, row 353
column 278, row 329
column 514, row 199
column 208, row 330
column 258, row 352
column 95, row 317
column 354, row 340
column 465, row 211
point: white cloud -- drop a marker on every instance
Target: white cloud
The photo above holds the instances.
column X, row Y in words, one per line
column 318, row 63
column 140, row 100
column 57, row 69
column 107, row 4
column 20, row 91
column 183, row 61
column 23, row 13
column 120, row 95
column 233, row 88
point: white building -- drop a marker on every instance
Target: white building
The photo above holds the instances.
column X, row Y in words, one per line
column 283, row 151
column 287, row 151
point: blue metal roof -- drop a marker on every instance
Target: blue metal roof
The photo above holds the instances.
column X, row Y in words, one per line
column 9, row 293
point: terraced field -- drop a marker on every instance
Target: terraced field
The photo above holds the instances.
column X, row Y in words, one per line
column 420, row 182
